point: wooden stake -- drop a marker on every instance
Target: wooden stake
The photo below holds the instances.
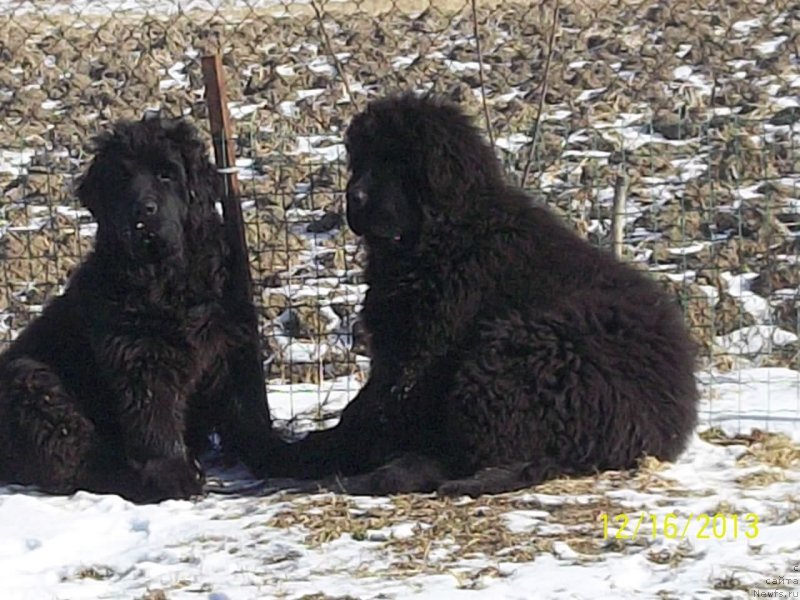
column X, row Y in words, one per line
column 618, row 213
column 255, row 411
column 224, row 151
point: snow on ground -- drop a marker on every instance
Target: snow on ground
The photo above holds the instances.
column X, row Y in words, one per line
column 271, row 544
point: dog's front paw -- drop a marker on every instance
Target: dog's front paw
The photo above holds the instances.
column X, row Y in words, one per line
column 173, row 478
column 461, row 487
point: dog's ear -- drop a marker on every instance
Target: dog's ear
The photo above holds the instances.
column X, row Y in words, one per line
column 455, row 157
column 90, row 186
column 203, row 181
column 99, row 179
column 87, row 190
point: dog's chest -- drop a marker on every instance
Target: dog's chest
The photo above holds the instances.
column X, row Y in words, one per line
column 206, row 327
column 192, row 329
column 392, row 317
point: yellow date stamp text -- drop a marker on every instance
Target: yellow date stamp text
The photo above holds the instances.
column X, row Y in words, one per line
column 700, row 526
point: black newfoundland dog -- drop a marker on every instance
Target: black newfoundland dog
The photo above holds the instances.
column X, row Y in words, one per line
column 506, row 350
column 117, row 385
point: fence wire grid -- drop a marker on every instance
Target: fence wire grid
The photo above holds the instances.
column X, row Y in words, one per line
column 687, row 109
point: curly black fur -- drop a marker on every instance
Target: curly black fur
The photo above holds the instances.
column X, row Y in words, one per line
column 506, row 350
column 118, row 384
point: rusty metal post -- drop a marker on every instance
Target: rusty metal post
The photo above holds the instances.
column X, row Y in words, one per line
column 254, row 408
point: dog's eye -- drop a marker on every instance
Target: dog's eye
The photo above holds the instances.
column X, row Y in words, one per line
column 164, row 176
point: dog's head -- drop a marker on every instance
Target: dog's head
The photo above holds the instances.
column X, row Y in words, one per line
column 413, row 159
column 150, row 182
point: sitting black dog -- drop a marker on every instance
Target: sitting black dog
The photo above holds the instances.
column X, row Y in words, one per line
column 118, row 384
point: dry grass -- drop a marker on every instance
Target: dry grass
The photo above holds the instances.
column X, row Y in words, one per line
column 156, row 594
column 769, row 449
column 760, row 479
column 774, row 450
column 771, row 454
column 441, row 534
column 426, row 534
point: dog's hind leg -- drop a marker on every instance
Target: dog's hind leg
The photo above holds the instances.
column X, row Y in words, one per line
column 509, row 478
column 46, row 441
column 408, row 473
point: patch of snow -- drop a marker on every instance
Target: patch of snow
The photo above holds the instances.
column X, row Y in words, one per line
column 240, row 111
column 632, row 138
column 509, row 96
column 767, row 398
column 586, row 154
column 787, row 294
column 739, row 287
column 288, row 108
column 15, row 161
column 757, row 339
column 747, row 192
column 245, row 170
column 321, row 147
column 291, row 400
column 788, row 101
column 691, row 168
column 51, row 104
column 688, row 250
column 591, row 94
column 682, row 277
column 178, row 78
column 321, row 65
column 557, row 115
column 458, row 66
column 740, row 63
column 303, row 94
column 513, row 143
column 711, row 291
column 770, row 46
column 402, row 62
column 683, row 72
column 285, row 70
column 746, row 26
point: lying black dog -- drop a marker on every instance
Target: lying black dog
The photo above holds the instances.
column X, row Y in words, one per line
column 118, row 384
column 506, row 350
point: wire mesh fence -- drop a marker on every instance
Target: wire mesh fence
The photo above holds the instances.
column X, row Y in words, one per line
column 685, row 109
